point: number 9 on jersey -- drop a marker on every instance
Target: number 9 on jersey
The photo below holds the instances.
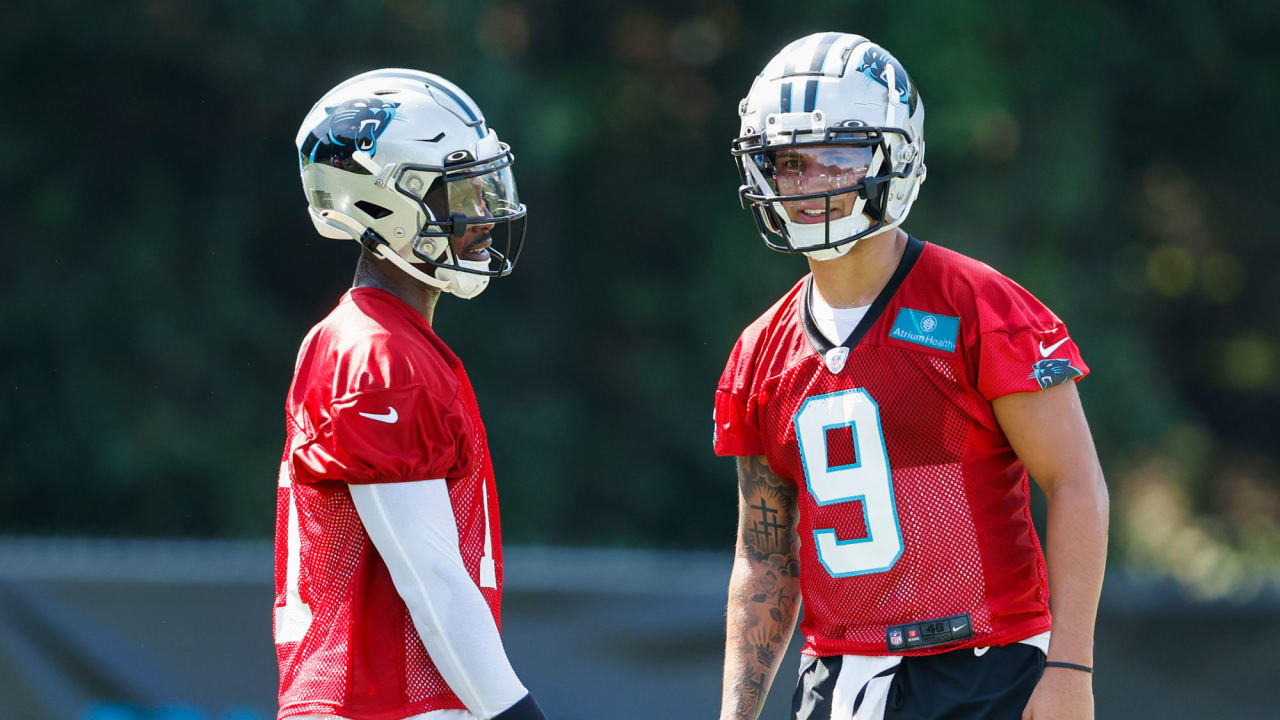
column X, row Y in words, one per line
column 867, row 479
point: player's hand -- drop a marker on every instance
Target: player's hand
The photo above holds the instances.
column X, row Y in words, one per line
column 1061, row 694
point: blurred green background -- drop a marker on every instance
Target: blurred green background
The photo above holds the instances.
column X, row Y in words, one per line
column 1114, row 158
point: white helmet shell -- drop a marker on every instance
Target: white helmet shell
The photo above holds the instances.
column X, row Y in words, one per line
column 370, row 150
column 833, row 88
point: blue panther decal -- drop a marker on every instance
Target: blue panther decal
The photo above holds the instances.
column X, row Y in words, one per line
column 873, row 64
column 1053, row 371
column 353, row 125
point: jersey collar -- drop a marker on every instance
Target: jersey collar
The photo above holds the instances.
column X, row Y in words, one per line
column 819, row 341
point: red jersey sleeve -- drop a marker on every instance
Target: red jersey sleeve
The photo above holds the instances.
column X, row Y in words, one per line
column 736, row 433
column 1023, row 345
column 397, row 435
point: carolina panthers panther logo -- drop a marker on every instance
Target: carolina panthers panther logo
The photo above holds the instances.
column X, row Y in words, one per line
column 1053, row 371
column 873, row 64
column 353, row 125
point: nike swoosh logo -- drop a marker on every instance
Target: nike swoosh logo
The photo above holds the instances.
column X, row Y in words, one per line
column 959, row 627
column 389, row 417
column 1047, row 351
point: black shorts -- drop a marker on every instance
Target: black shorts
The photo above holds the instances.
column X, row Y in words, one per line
column 957, row 685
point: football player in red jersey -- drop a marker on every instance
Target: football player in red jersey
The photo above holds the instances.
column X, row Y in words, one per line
column 388, row 551
column 884, row 414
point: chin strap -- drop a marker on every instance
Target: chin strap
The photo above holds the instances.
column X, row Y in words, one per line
column 465, row 285
column 384, row 251
column 462, row 284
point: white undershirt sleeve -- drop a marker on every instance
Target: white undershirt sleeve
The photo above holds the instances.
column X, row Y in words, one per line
column 413, row 528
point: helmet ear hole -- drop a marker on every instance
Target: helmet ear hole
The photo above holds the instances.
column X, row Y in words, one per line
column 375, row 211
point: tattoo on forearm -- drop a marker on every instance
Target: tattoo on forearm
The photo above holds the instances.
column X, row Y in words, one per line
column 764, row 603
column 766, row 531
column 768, row 527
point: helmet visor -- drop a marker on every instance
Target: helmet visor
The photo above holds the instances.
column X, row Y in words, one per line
column 818, row 174
column 475, row 208
column 478, row 194
column 486, row 191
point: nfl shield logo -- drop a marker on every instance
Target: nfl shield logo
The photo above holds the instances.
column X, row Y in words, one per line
column 895, row 638
column 835, row 358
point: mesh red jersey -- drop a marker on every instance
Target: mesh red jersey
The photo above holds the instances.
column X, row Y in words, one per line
column 376, row 397
column 912, row 505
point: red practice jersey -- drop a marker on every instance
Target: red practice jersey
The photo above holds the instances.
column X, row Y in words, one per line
column 913, row 509
column 376, row 397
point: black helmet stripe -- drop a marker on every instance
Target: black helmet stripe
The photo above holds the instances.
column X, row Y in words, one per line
column 820, row 54
column 816, row 61
column 810, row 95
column 815, row 66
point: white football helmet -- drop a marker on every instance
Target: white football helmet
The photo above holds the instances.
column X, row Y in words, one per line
column 401, row 161
column 843, row 107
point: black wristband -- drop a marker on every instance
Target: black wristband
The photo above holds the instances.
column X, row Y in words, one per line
column 526, row 709
column 1069, row 666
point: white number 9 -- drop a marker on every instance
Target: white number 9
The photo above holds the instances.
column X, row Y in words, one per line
column 867, row 478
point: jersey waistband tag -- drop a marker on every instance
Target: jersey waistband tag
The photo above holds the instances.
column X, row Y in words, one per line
column 909, row 636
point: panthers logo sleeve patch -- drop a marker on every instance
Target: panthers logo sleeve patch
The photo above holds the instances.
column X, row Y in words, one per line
column 1053, row 371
